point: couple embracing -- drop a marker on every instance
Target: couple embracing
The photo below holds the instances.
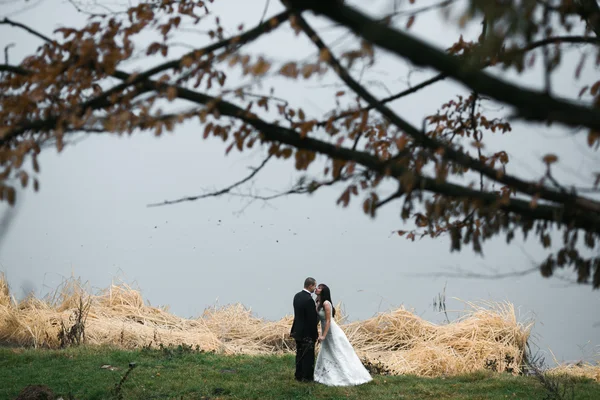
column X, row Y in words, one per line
column 337, row 363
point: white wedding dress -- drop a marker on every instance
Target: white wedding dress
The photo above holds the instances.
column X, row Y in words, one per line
column 337, row 363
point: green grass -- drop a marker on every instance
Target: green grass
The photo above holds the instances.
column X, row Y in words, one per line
column 184, row 374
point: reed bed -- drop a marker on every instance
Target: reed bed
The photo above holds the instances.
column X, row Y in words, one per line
column 486, row 336
column 579, row 370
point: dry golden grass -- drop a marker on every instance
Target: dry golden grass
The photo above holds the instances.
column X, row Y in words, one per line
column 407, row 344
column 581, row 370
column 399, row 340
column 5, row 298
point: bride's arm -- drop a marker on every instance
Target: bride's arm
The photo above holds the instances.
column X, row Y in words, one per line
column 327, row 308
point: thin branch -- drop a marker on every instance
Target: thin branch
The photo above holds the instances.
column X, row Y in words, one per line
column 15, row 70
column 462, row 273
column 386, row 100
column 396, row 195
column 92, row 14
column 7, row 21
column 221, row 192
column 6, row 48
column 413, row 12
column 554, row 40
column 532, row 105
column 298, row 189
column 262, row 18
column 355, row 145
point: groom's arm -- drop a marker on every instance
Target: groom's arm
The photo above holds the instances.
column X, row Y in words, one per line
column 312, row 318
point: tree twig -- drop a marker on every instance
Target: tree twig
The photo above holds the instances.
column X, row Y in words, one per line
column 221, row 192
column 7, row 21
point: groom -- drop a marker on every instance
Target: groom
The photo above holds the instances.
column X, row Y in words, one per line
column 304, row 331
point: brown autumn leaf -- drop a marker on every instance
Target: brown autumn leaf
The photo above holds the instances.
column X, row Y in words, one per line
column 261, row 67
column 367, row 206
column 595, row 88
column 187, row 61
column 10, row 194
column 24, row 178
column 477, row 144
column 550, row 159
column 290, row 70
column 421, row 220
column 593, row 137
column 308, row 70
column 4, row 130
column 171, row 93
column 324, row 55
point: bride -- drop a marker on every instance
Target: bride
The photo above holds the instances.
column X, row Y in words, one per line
column 337, row 363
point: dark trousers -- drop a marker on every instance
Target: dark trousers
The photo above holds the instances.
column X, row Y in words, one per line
column 305, row 360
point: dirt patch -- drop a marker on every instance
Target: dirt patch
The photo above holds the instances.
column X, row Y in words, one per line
column 36, row 392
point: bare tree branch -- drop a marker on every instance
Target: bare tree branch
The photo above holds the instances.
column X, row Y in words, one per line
column 299, row 188
column 6, row 48
column 221, row 192
column 386, row 100
column 14, row 69
column 262, row 18
column 464, row 273
column 45, row 38
column 413, row 12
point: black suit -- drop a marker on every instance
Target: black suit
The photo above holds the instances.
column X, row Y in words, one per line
column 304, row 331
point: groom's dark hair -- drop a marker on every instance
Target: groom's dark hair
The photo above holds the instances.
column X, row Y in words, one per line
column 309, row 282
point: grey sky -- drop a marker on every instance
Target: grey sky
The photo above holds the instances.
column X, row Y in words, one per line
column 90, row 218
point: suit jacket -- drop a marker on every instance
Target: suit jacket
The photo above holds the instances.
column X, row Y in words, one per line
column 305, row 317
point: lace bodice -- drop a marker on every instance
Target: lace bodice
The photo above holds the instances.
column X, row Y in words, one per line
column 321, row 314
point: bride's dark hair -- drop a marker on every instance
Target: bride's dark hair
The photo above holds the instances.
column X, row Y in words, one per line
column 326, row 295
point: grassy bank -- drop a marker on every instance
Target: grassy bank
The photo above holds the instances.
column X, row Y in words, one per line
column 180, row 373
